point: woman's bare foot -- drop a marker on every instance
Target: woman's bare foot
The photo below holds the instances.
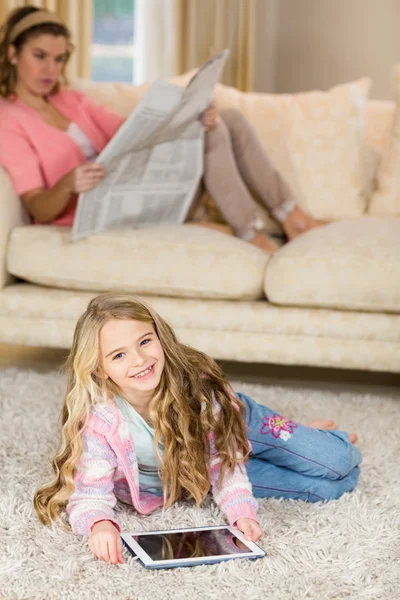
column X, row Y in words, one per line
column 328, row 425
column 264, row 242
column 298, row 222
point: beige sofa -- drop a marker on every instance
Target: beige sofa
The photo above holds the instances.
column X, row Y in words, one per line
column 331, row 298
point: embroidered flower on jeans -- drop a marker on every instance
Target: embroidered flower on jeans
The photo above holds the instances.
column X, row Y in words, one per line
column 285, row 435
column 278, row 425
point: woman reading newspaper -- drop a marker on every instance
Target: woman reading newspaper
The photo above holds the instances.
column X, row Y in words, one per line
column 51, row 135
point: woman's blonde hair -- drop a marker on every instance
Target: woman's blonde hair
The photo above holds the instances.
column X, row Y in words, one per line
column 8, row 77
column 192, row 400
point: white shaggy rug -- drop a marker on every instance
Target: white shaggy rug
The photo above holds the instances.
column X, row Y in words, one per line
column 347, row 548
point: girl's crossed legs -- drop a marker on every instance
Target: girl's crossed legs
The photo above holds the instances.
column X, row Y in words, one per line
column 291, row 460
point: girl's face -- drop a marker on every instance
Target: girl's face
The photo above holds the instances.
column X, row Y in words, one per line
column 132, row 356
column 39, row 64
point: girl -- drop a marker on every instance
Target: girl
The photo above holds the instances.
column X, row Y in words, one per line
column 151, row 421
column 51, row 136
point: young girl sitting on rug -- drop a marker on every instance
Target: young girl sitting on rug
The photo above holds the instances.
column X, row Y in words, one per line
column 151, row 421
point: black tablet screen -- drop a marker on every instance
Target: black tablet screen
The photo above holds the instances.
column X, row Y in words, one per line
column 190, row 544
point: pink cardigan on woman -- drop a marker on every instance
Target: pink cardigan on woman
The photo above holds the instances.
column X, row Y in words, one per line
column 37, row 155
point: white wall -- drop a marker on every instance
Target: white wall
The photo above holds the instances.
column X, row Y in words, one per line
column 309, row 44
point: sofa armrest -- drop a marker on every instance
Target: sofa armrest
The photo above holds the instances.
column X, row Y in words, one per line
column 13, row 215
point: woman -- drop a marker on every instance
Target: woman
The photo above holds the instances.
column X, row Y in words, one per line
column 50, row 136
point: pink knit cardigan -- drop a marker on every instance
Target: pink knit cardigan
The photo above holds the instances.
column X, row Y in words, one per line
column 37, row 155
column 108, row 469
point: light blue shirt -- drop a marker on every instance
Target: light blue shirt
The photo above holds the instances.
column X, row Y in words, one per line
column 143, row 437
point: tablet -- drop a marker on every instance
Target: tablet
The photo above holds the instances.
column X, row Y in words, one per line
column 189, row 547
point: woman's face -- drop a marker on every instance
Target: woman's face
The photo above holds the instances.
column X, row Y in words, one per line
column 39, row 64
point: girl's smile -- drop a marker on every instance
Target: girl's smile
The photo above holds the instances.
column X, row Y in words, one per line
column 146, row 373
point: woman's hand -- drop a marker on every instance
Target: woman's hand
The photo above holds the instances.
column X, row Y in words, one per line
column 209, row 117
column 251, row 529
column 86, row 177
column 105, row 542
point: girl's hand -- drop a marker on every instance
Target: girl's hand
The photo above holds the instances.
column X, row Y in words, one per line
column 210, row 116
column 86, row 177
column 105, row 542
column 251, row 529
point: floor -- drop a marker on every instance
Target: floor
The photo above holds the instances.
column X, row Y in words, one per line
column 347, row 548
column 50, row 359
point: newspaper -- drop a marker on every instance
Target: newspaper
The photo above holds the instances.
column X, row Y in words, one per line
column 154, row 162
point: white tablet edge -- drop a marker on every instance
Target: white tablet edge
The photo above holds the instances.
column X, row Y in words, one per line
column 254, row 550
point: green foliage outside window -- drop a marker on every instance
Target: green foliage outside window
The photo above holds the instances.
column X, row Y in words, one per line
column 116, row 8
column 113, row 29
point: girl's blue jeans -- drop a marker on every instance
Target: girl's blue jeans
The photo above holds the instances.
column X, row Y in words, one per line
column 290, row 460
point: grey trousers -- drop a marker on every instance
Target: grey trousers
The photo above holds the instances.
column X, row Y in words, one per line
column 236, row 165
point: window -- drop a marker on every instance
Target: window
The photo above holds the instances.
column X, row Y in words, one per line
column 112, row 49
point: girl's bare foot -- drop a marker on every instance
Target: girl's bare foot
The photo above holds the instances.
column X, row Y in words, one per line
column 325, row 424
column 322, row 424
column 263, row 242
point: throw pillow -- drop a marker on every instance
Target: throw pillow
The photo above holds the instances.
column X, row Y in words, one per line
column 386, row 199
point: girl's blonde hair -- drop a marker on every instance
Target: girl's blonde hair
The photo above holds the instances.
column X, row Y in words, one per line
column 183, row 409
column 8, row 78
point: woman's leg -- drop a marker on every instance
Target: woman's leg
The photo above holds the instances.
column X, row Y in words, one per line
column 271, row 481
column 285, row 443
column 262, row 178
column 224, row 183
column 255, row 166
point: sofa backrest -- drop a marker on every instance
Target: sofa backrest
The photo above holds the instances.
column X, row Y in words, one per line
column 311, row 137
column 122, row 98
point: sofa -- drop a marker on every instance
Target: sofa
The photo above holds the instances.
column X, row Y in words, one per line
column 329, row 298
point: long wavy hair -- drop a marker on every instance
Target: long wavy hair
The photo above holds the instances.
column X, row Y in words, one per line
column 8, row 74
column 191, row 400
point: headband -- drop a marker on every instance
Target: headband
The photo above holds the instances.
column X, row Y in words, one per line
column 39, row 17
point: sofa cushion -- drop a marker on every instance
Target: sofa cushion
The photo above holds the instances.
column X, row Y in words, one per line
column 173, row 260
column 352, row 264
